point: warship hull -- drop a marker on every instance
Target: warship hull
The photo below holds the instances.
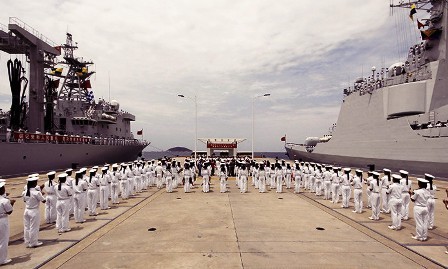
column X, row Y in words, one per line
column 366, row 134
column 24, row 158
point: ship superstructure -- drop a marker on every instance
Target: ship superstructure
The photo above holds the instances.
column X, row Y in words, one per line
column 398, row 117
column 54, row 120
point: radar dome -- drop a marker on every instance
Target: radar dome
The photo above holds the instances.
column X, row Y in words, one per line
column 114, row 104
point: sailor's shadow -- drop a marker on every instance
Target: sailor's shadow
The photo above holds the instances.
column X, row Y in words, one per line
column 21, row 259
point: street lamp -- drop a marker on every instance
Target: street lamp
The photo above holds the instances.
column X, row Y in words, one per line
column 253, row 118
column 195, row 100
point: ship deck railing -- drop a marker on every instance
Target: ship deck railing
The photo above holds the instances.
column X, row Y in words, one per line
column 24, row 137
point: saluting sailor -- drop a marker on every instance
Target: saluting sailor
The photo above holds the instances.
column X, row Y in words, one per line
column 335, row 185
column 420, row 198
column 79, row 196
column 262, row 179
column 407, row 186
column 50, row 204
column 327, row 182
column 5, row 210
column 104, row 182
column 187, row 176
column 288, row 175
column 243, row 175
column 297, row 179
column 123, row 182
column 31, row 217
column 395, row 202
column 205, row 178
column 168, row 178
column 318, row 181
column 69, row 182
column 63, row 194
column 223, row 180
column 375, row 188
column 385, row 182
column 115, row 184
column 357, row 191
column 92, row 190
column 431, row 202
column 345, row 182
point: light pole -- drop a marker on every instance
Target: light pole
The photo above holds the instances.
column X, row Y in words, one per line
column 195, row 100
column 253, row 118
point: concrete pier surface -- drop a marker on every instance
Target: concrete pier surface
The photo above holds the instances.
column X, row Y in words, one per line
column 156, row 229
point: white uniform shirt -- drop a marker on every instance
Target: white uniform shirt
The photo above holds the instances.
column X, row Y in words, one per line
column 5, row 207
column 421, row 197
column 64, row 193
column 395, row 190
column 81, row 187
column 49, row 190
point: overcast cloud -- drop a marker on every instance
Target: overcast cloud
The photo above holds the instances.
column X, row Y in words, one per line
column 301, row 52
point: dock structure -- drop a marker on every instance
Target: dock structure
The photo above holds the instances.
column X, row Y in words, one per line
column 229, row 145
column 20, row 38
column 155, row 229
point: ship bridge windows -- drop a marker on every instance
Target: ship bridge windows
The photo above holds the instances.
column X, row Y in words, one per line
column 82, row 121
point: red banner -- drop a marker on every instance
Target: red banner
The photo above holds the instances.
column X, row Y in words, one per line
column 29, row 137
column 222, row 145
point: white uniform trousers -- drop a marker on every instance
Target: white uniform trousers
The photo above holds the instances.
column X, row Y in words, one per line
column 91, row 202
column 169, row 186
column 187, row 184
column 272, row 182
column 223, row 185
column 279, row 184
column 79, row 207
column 4, row 238
column 297, row 184
column 123, row 189
column 243, row 184
column 104, row 197
column 63, row 213
column 50, row 208
column 312, row 184
column 421, row 222
column 385, row 201
column 430, row 206
column 345, row 195
column 395, row 212
column 405, row 208
column 357, row 198
column 31, row 222
column 318, row 187
column 159, row 181
column 369, row 200
column 375, row 203
column 114, row 190
column 205, row 184
column 262, row 184
column 327, row 190
column 288, row 181
column 335, row 192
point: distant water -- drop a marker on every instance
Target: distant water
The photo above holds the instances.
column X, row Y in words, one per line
column 149, row 155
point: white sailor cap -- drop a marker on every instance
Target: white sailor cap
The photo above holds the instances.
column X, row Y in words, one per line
column 104, row 169
column 33, row 175
column 69, row 170
column 358, row 171
column 347, row 169
column 78, row 172
column 2, row 184
column 114, row 165
column 404, row 172
column 32, row 179
column 95, row 167
column 107, row 165
column 386, row 170
column 422, row 180
column 375, row 173
column 92, row 171
column 429, row 176
column 83, row 169
column 51, row 173
column 395, row 176
column 61, row 175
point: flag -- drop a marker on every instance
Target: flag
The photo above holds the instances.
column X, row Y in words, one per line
column 419, row 24
column 86, row 84
column 90, row 96
column 283, row 138
column 140, row 132
column 430, row 34
column 53, row 84
column 413, row 11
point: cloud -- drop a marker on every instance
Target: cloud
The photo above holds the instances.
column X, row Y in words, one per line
column 225, row 53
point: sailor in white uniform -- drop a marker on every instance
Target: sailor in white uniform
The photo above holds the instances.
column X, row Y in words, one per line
column 223, row 180
column 318, row 180
column 395, row 191
column 243, row 175
column 5, row 210
column 279, row 178
column 375, row 188
column 69, row 182
column 420, row 198
column 431, row 202
column 327, row 182
column 92, row 189
column 168, row 178
column 335, row 185
column 159, row 175
column 205, row 178
column 346, row 191
column 115, row 184
column 104, row 179
column 31, row 217
column 50, row 204
column 187, row 177
column 407, row 186
column 386, row 180
column 262, row 179
column 288, row 175
column 63, row 194
column 79, row 196
column 357, row 191
column 368, row 191
column 297, row 179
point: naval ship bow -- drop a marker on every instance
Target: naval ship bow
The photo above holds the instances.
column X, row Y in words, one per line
column 397, row 118
column 57, row 123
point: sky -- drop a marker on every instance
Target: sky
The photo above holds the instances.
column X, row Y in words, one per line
column 226, row 53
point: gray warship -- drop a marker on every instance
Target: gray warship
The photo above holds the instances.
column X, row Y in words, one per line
column 54, row 121
column 398, row 117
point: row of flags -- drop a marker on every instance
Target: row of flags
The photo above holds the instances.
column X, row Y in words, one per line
column 429, row 34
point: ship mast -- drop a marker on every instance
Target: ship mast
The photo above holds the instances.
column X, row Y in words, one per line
column 76, row 82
